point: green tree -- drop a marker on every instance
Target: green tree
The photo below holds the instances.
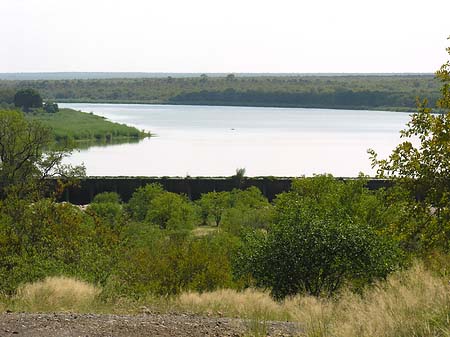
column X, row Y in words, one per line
column 171, row 211
column 27, row 156
column 139, row 204
column 239, row 177
column 27, row 98
column 320, row 240
column 421, row 163
column 231, row 77
column 214, row 204
column 316, row 257
column 249, row 209
column 107, row 197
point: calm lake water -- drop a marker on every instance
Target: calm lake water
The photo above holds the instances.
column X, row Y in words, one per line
column 215, row 141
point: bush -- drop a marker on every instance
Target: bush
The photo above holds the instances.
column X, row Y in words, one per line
column 110, row 197
column 316, row 258
column 168, row 263
column 249, row 209
column 171, row 211
column 139, row 204
column 213, row 205
column 237, row 210
column 319, row 242
column 109, row 213
column 47, row 238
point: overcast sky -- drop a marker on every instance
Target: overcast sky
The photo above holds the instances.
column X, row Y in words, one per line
column 223, row 35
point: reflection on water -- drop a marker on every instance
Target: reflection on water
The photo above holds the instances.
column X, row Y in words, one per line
column 214, row 141
column 86, row 144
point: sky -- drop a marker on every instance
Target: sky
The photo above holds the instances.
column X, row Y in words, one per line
column 227, row 36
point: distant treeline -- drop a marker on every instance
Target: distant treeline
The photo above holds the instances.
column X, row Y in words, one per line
column 352, row 91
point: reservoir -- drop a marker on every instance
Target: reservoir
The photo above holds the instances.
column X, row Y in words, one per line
column 216, row 140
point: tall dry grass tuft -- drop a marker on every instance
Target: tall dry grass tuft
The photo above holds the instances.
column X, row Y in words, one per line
column 410, row 303
column 3, row 306
column 56, row 294
column 256, row 307
column 246, row 304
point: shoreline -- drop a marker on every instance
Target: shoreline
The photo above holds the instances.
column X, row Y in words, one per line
column 224, row 104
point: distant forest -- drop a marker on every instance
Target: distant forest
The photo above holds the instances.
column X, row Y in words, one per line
column 390, row 92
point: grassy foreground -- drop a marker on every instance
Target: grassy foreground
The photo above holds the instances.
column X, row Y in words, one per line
column 82, row 126
column 414, row 302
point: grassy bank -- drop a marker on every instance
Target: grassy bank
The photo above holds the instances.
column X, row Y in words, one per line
column 82, row 126
column 414, row 302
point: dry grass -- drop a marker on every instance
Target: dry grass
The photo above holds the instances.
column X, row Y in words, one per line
column 56, row 294
column 247, row 304
column 409, row 303
column 204, row 230
column 3, row 306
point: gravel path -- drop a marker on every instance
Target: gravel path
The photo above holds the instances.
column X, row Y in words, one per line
column 166, row 325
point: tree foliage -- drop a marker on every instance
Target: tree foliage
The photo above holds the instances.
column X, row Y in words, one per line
column 355, row 91
column 27, row 98
column 139, row 204
column 421, row 162
column 214, row 204
column 171, row 211
column 319, row 241
column 26, row 157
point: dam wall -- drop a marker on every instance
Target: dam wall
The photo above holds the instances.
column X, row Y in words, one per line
column 192, row 187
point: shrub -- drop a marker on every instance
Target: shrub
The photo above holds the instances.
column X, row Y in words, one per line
column 110, row 197
column 47, row 238
column 213, row 205
column 106, row 207
column 316, row 258
column 319, row 241
column 169, row 263
column 109, row 213
column 139, row 204
column 237, row 210
column 249, row 209
column 171, row 211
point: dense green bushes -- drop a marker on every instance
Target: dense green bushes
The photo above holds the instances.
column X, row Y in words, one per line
column 46, row 238
column 322, row 234
column 169, row 263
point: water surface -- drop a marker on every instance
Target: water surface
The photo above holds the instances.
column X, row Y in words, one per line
column 216, row 140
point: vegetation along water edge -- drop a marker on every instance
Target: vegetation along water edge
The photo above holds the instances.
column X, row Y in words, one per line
column 383, row 92
column 68, row 125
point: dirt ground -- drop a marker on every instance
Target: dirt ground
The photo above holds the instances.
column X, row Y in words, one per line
column 155, row 325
